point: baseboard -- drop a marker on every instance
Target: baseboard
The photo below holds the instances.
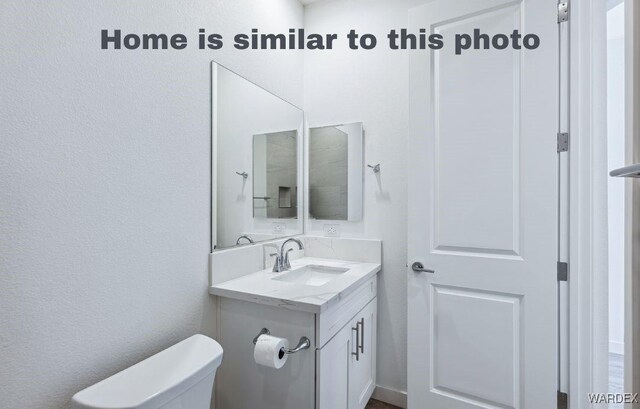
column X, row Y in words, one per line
column 616, row 347
column 391, row 396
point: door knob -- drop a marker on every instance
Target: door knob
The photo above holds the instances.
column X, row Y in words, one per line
column 418, row 267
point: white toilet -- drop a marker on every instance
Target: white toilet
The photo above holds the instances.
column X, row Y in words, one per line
column 180, row 377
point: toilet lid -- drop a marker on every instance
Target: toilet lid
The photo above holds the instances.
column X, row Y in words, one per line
column 157, row 379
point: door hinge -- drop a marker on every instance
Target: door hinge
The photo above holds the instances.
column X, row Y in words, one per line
column 563, row 400
column 563, row 142
column 563, row 12
column 563, row 271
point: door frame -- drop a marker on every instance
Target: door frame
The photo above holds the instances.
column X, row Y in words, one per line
column 588, row 343
column 587, row 128
column 632, row 213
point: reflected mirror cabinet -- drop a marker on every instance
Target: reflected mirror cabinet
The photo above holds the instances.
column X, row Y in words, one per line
column 258, row 170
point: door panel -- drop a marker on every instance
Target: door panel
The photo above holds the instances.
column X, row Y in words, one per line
column 483, row 210
column 491, row 321
column 477, row 142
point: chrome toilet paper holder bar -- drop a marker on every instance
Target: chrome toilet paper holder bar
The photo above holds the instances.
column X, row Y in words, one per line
column 304, row 342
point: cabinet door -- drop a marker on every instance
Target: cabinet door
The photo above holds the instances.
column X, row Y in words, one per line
column 362, row 366
column 333, row 362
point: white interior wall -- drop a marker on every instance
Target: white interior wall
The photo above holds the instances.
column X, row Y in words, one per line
column 260, row 176
column 616, row 159
column 104, row 183
column 344, row 86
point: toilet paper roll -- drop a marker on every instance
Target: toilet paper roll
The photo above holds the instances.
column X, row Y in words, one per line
column 269, row 351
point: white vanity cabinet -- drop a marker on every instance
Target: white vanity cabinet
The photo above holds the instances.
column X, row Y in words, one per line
column 337, row 371
column 346, row 365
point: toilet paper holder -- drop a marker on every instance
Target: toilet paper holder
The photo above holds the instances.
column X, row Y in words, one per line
column 304, row 342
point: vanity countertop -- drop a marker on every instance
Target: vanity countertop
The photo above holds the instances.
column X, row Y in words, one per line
column 262, row 288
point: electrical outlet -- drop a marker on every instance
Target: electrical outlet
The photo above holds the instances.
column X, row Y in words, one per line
column 332, row 230
column 278, row 228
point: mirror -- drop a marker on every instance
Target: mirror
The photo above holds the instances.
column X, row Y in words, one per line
column 336, row 155
column 256, row 162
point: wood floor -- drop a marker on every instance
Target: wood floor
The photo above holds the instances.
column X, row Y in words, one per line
column 376, row 404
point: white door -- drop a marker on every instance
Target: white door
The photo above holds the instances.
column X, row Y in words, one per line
column 483, row 211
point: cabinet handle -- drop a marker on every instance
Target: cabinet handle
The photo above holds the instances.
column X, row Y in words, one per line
column 357, row 330
column 361, row 322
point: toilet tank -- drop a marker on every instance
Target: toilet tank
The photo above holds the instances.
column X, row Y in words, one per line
column 180, row 377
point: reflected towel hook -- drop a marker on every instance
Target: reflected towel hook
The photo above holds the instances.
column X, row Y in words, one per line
column 376, row 168
column 243, row 174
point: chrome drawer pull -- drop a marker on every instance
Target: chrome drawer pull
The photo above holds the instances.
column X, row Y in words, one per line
column 357, row 330
column 361, row 323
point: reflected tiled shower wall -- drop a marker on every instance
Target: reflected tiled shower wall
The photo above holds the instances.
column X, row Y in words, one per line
column 328, row 166
column 281, row 175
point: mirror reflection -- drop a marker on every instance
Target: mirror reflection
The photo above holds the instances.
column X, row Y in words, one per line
column 275, row 188
column 257, row 162
column 336, row 172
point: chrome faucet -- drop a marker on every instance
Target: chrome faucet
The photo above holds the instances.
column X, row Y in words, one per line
column 282, row 257
column 244, row 237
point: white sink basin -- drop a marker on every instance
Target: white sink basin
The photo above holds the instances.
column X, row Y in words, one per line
column 313, row 275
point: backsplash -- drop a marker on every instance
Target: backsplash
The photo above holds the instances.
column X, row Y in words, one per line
column 363, row 250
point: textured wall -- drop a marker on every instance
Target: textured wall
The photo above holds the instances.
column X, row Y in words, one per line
column 104, row 183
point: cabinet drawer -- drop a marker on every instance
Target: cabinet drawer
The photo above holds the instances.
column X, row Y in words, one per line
column 331, row 321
